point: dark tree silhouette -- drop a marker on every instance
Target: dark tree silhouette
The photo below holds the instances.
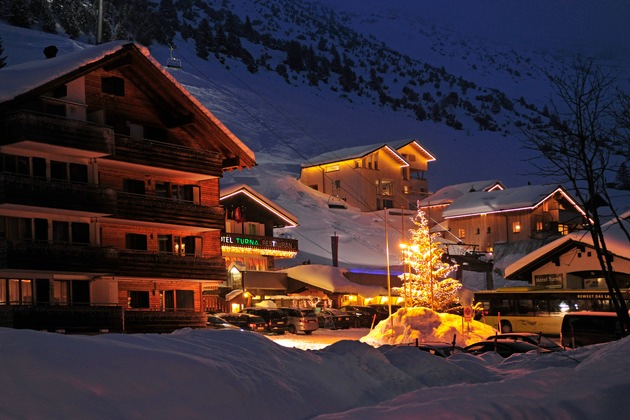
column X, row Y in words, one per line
column 577, row 144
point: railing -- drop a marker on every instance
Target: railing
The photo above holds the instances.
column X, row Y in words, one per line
column 160, row 265
column 166, row 210
column 97, row 319
column 43, row 192
column 166, row 155
column 57, row 131
column 34, row 255
column 71, row 319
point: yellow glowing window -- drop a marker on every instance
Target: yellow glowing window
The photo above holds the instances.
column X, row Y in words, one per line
column 516, row 227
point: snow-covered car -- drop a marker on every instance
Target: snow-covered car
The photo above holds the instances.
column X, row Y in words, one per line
column 440, row 349
column 532, row 338
column 504, row 347
column 217, row 323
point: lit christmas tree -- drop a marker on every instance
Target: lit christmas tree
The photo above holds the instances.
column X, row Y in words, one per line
column 426, row 283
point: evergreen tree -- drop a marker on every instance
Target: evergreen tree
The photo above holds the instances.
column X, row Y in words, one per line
column 203, row 39
column 19, row 14
column 169, row 23
column 426, row 283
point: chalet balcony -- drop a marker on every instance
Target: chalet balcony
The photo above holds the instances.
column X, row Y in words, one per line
column 161, row 265
column 92, row 319
column 33, row 255
column 165, row 210
column 41, row 192
column 167, row 156
column 89, row 140
column 69, row 319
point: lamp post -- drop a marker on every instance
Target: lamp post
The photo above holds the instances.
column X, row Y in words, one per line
column 389, row 283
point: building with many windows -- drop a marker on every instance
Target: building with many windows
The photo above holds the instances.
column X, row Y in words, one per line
column 495, row 215
column 372, row 177
column 110, row 216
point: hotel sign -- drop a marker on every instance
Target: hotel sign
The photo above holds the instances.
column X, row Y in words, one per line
column 272, row 244
column 553, row 281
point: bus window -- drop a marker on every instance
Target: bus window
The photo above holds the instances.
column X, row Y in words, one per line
column 524, row 306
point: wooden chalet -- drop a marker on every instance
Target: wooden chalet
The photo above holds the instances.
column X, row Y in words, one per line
column 110, row 218
column 372, row 177
column 250, row 247
column 571, row 262
column 481, row 219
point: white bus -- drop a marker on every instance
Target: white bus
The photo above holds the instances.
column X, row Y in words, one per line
column 538, row 310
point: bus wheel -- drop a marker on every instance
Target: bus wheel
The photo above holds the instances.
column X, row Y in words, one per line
column 506, row 327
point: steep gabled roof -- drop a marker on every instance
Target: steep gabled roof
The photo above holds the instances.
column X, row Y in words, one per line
column 448, row 194
column 616, row 243
column 399, row 144
column 27, row 80
column 238, row 195
column 510, row 199
column 358, row 152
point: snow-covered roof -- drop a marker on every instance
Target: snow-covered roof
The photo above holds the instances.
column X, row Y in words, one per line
column 35, row 76
column 358, row 152
column 332, row 279
column 450, row 193
column 617, row 243
column 287, row 218
column 495, row 201
column 23, row 78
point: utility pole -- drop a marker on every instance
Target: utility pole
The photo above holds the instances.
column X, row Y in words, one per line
column 99, row 26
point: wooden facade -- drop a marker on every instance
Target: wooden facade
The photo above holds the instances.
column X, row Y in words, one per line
column 109, row 194
column 483, row 219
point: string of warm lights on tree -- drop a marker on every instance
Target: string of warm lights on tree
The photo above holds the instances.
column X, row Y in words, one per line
column 426, row 282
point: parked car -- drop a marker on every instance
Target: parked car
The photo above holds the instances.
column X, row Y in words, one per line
column 219, row 323
column 247, row 322
column 304, row 320
column 363, row 316
column 503, row 347
column 277, row 322
column 532, row 338
column 586, row 328
column 441, row 349
column 383, row 310
column 334, row 319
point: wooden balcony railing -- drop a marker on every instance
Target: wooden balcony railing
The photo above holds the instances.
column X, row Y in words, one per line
column 94, row 140
column 169, row 156
column 32, row 255
column 42, row 192
column 165, row 210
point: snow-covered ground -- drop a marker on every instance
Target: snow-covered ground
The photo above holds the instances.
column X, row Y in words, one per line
column 241, row 375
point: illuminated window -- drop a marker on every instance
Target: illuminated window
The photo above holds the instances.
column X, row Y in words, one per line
column 563, row 229
column 516, row 227
column 540, row 226
column 461, row 233
column 387, row 188
column 332, row 168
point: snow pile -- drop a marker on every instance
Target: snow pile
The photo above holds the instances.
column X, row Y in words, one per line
column 422, row 324
column 238, row 374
